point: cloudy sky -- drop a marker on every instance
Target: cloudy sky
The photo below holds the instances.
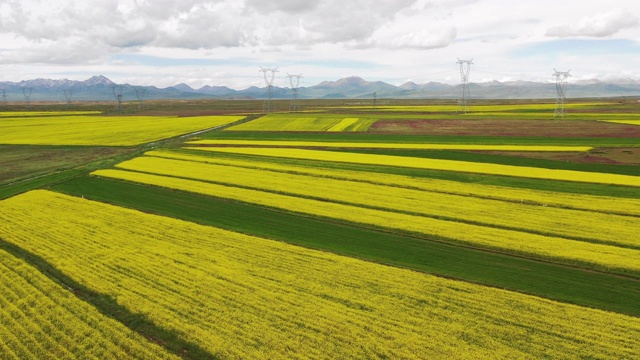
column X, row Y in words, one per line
column 224, row 42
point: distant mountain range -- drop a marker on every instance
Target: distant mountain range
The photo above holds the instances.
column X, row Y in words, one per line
column 99, row 88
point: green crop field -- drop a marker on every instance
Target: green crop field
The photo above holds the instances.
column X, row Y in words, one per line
column 340, row 231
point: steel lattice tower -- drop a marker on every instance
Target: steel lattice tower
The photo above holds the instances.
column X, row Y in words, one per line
column 4, row 98
column 140, row 93
column 561, row 82
column 294, row 80
column 27, row 96
column 68, row 93
column 268, row 79
column 465, row 69
column 117, row 93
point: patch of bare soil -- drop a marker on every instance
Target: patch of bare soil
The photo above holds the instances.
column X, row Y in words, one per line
column 499, row 127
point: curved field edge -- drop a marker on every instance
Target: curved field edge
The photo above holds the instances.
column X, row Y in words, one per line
column 45, row 317
column 436, row 164
column 567, row 284
column 329, row 302
column 593, row 256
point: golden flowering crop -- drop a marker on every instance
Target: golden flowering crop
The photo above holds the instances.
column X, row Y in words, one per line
column 275, row 122
column 102, row 130
column 628, row 122
column 578, row 224
column 370, row 145
column 607, row 204
column 239, row 296
column 437, row 164
column 6, row 114
column 304, row 122
column 41, row 320
column 597, row 256
column 343, row 124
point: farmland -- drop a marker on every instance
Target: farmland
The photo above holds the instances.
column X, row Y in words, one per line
column 336, row 232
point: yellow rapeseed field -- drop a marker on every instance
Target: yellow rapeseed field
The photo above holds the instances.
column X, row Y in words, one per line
column 343, row 124
column 102, row 130
column 437, row 164
column 616, row 205
column 628, row 122
column 41, row 320
column 577, row 224
column 370, row 145
column 239, row 296
column 596, row 256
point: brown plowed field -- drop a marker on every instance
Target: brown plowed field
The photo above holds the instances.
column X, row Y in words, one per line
column 534, row 128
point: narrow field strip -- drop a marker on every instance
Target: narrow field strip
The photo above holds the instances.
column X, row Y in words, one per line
column 375, row 145
column 575, row 224
column 102, row 130
column 435, row 164
column 41, row 320
column 343, row 124
column 243, row 297
column 596, row 256
column 628, row 122
column 605, row 204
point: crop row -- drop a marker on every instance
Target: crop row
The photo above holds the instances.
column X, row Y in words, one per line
column 241, row 296
column 41, row 320
column 596, row 256
column 577, row 224
column 607, row 204
column 377, row 145
column 101, row 130
column 436, row 164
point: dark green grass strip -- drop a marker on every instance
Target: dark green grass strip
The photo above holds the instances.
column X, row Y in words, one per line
column 496, row 180
column 429, row 139
column 562, row 283
column 503, row 160
column 108, row 306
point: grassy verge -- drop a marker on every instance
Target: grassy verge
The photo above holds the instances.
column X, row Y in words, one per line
column 552, row 281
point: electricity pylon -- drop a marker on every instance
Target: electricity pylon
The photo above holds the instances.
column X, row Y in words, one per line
column 294, row 80
column 561, row 83
column 269, row 75
column 68, row 93
column 117, row 94
column 465, row 69
column 27, row 96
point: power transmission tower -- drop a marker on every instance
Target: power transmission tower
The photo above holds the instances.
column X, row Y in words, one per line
column 117, row 93
column 465, row 69
column 561, row 82
column 269, row 75
column 68, row 93
column 140, row 92
column 4, row 98
column 27, row 96
column 294, row 80
column 375, row 101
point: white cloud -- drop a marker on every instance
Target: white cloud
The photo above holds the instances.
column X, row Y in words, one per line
column 599, row 25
